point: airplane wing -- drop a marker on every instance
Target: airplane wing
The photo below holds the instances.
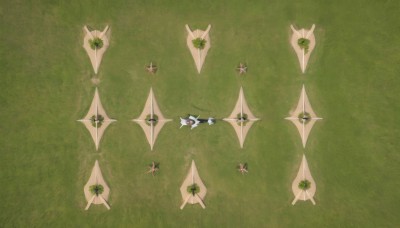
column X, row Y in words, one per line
column 183, row 122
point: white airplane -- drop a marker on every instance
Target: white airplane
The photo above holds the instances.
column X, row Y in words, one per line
column 195, row 121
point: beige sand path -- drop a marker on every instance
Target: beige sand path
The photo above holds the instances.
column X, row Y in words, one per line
column 199, row 56
column 241, row 108
column 303, row 174
column 303, row 106
column 97, row 54
column 96, row 178
column 96, row 108
column 151, row 108
column 193, row 178
column 301, row 54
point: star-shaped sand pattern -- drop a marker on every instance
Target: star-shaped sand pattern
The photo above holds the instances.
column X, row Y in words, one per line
column 193, row 178
column 304, row 117
column 96, row 55
column 151, row 126
column 303, row 55
column 96, row 178
column 199, row 55
column 241, row 118
column 96, row 128
column 304, row 174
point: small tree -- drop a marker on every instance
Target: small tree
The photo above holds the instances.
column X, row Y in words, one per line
column 303, row 43
column 304, row 117
column 99, row 119
column 96, row 43
column 199, row 43
column 96, row 189
column 193, row 189
column 242, row 118
column 150, row 120
column 304, row 184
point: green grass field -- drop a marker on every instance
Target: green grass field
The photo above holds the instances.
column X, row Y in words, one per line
column 352, row 81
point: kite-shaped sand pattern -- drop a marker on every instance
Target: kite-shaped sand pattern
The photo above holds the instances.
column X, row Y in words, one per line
column 96, row 128
column 96, row 55
column 151, row 120
column 304, row 174
column 96, row 178
column 193, row 178
column 303, row 117
column 302, row 54
column 199, row 55
column 241, row 118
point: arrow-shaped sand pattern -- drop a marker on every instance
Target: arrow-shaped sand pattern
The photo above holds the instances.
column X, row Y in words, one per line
column 193, row 178
column 96, row 178
column 303, row 55
column 304, row 174
column 199, row 55
column 96, row 55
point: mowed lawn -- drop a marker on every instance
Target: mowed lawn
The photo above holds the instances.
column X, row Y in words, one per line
column 352, row 81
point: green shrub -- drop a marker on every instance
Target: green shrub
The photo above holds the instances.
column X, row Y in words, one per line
column 199, row 43
column 99, row 119
column 155, row 117
column 193, row 189
column 303, row 43
column 96, row 189
column 245, row 119
column 304, row 117
column 304, row 184
column 96, row 43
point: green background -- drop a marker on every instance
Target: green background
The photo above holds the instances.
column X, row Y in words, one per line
column 352, row 81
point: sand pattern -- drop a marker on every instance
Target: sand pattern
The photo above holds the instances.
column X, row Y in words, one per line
column 302, row 55
column 96, row 108
column 151, row 108
column 96, row 178
column 193, row 178
column 303, row 106
column 240, row 127
column 97, row 54
column 303, row 174
column 199, row 55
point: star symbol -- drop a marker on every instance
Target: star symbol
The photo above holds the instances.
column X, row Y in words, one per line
column 153, row 168
column 242, row 168
column 242, row 68
column 152, row 69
